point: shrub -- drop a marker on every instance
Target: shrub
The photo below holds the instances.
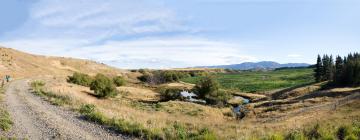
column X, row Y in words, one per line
column 314, row 133
column 87, row 108
column 145, row 77
column 205, row 86
column 119, row 81
column 80, row 79
column 167, row 93
column 208, row 89
column 343, row 132
column 103, row 86
column 219, row 97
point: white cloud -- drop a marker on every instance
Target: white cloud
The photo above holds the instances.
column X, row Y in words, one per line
column 99, row 19
column 150, row 53
column 100, row 30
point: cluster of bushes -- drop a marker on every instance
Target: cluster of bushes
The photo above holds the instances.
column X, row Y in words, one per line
column 169, row 93
column 135, row 129
column 346, row 132
column 160, row 77
column 343, row 72
column 80, row 79
column 208, row 89
column 102, row 85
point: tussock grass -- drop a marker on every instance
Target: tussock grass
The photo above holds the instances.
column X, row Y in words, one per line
column 5, row 119
column 55, row 99
column 177, row 131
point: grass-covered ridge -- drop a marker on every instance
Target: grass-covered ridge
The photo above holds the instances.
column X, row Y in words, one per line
column 260, row 81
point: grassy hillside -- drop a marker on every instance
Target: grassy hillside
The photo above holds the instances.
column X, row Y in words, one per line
column 258, row 81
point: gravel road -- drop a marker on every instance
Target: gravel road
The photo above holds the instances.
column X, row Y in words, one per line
column 36, row 119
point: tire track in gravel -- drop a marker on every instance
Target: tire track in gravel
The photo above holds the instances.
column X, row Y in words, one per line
column 36, row 119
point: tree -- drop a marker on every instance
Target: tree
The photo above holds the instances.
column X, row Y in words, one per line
column 103, row 86
column 318, row 69
column 206, row 86
column 339, row 66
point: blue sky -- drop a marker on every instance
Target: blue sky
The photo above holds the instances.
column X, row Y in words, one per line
column 173, row 33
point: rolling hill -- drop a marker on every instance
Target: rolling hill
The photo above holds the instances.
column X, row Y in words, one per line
column 258, row 65
column 19, row 65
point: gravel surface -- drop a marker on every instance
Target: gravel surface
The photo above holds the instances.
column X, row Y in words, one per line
column 36, row 119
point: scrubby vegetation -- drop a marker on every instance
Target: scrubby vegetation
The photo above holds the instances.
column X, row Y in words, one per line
column 119, row 81
column 103, row 86
column 260, row 81
column 208, row 89
column 318, row 132
column 5, row 119
column 343, row 72
column 169, row 93
column 55, row 99
column 160, row 77
column 80, row 79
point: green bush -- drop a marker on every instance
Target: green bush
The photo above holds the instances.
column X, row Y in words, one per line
column 206, row 86
column 208, row 89
column 87, row 108
column 80, row 79
column 119, row 81
column 103, row 86
column 343, row 132
column 167, row 93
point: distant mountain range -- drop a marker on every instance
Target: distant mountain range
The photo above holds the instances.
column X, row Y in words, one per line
column 258, row 65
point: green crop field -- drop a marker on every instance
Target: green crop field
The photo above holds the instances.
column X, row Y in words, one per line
column 260, row 81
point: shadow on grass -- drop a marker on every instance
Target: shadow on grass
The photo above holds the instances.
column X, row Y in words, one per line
column 277, row 95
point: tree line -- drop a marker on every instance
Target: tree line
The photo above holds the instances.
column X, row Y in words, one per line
column 343, row 71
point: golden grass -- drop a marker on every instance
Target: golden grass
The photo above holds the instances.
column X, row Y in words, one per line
column 128, row 106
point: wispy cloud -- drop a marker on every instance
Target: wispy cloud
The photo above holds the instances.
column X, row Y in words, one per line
column 122, row 33
column 144, row 53
column 98, row 19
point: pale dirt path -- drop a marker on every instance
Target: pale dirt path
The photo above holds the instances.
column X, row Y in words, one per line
column 36, row 119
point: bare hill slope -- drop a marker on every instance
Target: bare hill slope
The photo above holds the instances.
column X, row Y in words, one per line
column 20, row 64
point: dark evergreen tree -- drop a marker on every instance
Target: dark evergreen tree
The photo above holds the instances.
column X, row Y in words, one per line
column 339, row 66
column 318, row 69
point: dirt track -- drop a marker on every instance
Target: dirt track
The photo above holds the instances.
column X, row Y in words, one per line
column 36, row 119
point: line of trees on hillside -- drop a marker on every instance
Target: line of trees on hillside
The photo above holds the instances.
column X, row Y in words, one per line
column 343, row 71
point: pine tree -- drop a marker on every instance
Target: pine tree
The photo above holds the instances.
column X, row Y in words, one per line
column 339, row 66
column 318, row 69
